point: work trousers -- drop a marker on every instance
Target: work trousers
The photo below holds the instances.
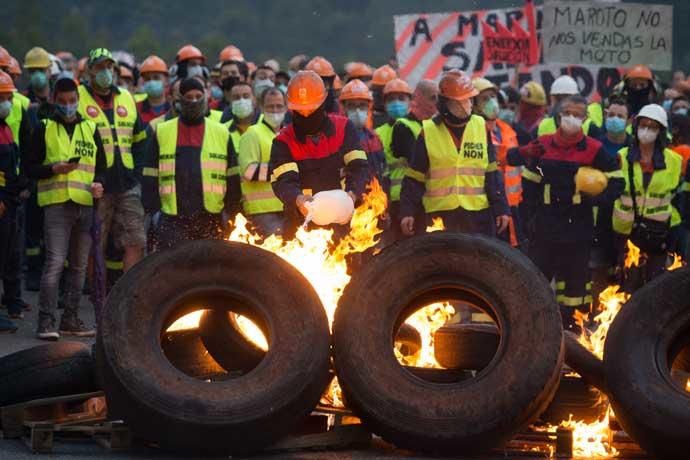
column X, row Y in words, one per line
column 9, row 256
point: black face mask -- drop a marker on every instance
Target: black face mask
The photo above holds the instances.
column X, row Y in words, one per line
column 311, row 124
column 330, row 103
column 377, row 92
column 192, row 112
column 228, row 82
column 442, row 106
column 638, row 98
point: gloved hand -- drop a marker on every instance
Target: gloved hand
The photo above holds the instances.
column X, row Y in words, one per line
column 534, row 149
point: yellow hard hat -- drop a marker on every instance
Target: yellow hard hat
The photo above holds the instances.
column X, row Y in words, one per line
column 533, row 93
column 590, row 181
column 482, row 84
column 37, row 58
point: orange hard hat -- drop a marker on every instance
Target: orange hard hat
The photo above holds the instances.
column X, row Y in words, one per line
column 337, row 83
column 456, row 85
column 306, row 92
column 14, row 67
column 4, row 57
column 383, row 75
column 230, row 53
column 359, row 70
column 397, row 86
column 321, row 66
column 153, row 64
column 189, row 52
column 639, row 71
column 356, row 90
column 6, row 83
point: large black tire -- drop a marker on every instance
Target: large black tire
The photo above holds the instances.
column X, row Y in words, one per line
column 466, row 345
column 574, row 396
column 222, row 338
column 649, row 406
column 185, row 351
column 468, row 416
column 236, row 416
column 45, row 371
column 584, row 362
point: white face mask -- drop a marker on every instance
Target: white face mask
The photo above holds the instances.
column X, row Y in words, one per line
column 571, row 124
column 274, row 119
column 646, row 135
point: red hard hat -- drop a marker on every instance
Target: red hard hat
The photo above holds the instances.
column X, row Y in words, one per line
column 321, row 66
column 356, row 90
column 305, row 92
column 383, row 75
column 6, row 83
column 397, row 85
column 189, row 52
column 4, row 57
column 455, row 84
column 230, row 53
column 153, row 64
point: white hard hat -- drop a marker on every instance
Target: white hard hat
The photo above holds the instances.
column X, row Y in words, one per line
column 654, row 112
column 564, row 85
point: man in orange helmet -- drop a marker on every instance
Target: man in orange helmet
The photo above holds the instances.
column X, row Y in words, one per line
column 154, row 73
column 638, row 88
column 453, row 172
column 190, row 61
column 356, row 100
column 381, row 76
column 360, row 71
column 315, row 151
column 11, row 184
column 230, row 53
column 324, row 69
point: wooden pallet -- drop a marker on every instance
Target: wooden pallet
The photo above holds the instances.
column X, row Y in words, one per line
column 38, row 422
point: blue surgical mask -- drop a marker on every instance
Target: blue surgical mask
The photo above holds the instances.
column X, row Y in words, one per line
column 491, row 108
column 5, row 109
column 216, row 93
column 242, row 108
column 195, row 71
column 615, row 125
column 283, row 88
column 667, row 104
column 397, row 109
column 67, row 111
column 262, row 85
column 104, row 78
column 682, row 111
column 358, row 117
column 507, row 115
column 154, row 88
column 39, row 80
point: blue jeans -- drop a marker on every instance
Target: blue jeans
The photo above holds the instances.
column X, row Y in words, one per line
column 67, row 238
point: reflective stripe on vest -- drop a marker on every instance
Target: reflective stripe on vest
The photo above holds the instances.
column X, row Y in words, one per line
column 121, row 133
column 258, row 196
column 654, row 202
column 75, row 186
column 456, row 177
column 214, row 165
column 20, row 103
column 395, row 167
column 512, row 175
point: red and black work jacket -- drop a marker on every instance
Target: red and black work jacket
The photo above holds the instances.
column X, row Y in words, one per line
column 314, row 163
column 560, row 213
column 11, row 183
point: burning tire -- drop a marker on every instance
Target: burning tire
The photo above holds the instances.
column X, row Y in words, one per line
column 235, row 416
column 574, row 396
column 223, row 339
column 467, row 416
column 584, row 362
column 466, row 346
column 408, row 339
column 639, row 350
column 187, row 353
column 56, row 369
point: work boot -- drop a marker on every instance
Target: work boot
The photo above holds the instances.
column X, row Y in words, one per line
column 46, row 328
column 72, row 325
column 6, row 325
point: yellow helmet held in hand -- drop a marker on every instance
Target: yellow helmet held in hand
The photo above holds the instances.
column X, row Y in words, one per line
column 590, row 181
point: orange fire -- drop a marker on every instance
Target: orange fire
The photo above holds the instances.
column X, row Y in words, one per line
column 426, row 320
column 436, row 225
column 633, row 257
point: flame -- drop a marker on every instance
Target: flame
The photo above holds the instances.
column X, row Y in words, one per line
column 687, row 386
column 677, row 262
column 188, row 321
column 611, row 300
column 426, row 320
column 251, row 332
column 633, row 257
column 437, row 225
column 593, row 439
